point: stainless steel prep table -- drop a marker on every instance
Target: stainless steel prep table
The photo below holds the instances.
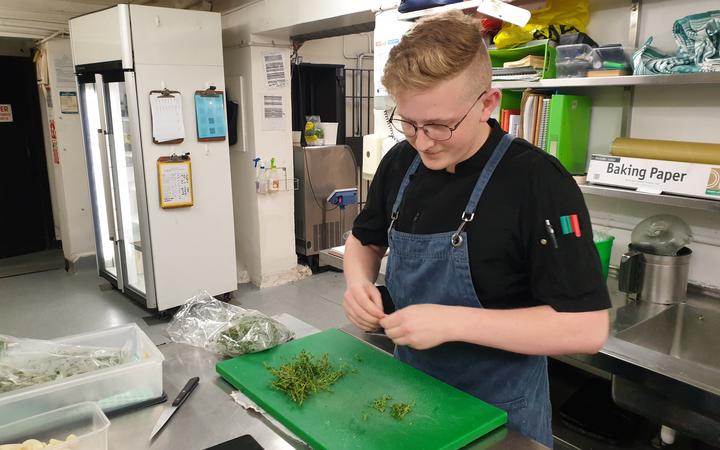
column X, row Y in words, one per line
column 210, row 416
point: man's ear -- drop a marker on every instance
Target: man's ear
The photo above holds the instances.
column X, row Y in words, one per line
column 489, row 102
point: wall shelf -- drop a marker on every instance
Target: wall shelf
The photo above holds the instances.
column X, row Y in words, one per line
column 630, row 80
column 659, row 199
column 468, row 4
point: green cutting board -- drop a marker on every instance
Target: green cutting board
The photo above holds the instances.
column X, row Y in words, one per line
column 442, row 417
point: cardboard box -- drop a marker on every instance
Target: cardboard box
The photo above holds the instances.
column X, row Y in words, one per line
column 656, row 176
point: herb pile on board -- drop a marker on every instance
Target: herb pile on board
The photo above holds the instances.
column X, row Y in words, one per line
column 305, row 375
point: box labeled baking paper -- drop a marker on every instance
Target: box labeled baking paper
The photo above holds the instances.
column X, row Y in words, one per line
column 656, row 176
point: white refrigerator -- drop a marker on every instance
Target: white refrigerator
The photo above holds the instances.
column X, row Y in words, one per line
column 158, row 257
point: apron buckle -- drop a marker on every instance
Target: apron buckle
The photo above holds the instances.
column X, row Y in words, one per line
column 457, row 239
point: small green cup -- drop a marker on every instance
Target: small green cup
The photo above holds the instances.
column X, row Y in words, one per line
column 604, row 244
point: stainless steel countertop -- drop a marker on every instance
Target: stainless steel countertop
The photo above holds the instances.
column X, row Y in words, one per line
column 210, row 416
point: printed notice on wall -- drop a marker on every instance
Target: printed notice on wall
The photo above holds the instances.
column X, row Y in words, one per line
column 272, row 113
column 64, row 72
column 274, row 70
column 68, row 102
column 5, row 113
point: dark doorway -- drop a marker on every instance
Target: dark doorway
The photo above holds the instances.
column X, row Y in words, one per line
column 26, row 223
column 319, row 89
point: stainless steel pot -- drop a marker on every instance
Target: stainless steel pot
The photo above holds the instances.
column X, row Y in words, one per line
column 655, row 278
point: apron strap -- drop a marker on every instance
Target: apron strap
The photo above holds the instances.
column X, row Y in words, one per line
column 401, row 192
column 482, row 181
column 485, row 175
column 469, row 214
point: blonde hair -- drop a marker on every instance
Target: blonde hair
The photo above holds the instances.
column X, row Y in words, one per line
column 438, row 48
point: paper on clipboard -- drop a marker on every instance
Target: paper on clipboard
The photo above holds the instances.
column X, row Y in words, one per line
column 175, row 183
column 210, row 115
column 167, row 117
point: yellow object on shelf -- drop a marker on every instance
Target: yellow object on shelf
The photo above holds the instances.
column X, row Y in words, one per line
column 694, row 152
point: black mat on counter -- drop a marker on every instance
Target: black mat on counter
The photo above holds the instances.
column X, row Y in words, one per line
column 245, row 442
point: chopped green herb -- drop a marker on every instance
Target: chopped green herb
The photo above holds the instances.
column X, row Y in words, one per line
column 305, row 375
column 380, row 403
column 400, row 410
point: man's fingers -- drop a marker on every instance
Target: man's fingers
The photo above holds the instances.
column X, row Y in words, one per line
column 362, row 318
column 391, row 321
column 376, row 298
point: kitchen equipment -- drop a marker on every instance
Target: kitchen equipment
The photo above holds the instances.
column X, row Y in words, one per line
column 153, row 49
column 84, row 420
column 657, row 262
column 176, row 404
column 114, row 388
column 320, row 171
column 663, row 234
column 442, row 417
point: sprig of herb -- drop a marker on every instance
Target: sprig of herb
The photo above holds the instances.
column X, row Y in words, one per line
column 305, row 375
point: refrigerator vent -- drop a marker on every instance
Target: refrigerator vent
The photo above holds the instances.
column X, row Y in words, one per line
column 326, row 235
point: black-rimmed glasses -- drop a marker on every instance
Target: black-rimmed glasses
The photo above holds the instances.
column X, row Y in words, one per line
column 434, row 131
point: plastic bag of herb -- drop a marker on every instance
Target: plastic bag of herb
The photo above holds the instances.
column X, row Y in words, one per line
column 28, row 362
column 249, row 333
column 220, row 327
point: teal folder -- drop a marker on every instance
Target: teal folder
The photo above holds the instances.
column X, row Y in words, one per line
column 568, row 131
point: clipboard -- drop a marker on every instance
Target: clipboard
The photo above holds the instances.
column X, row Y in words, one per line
column 175, row 181
column 210, row 115
column 166, row 93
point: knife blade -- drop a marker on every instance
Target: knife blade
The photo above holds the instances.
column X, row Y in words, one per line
column 170, row 410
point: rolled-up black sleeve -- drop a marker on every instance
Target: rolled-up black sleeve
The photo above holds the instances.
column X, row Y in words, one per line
column 569, row 277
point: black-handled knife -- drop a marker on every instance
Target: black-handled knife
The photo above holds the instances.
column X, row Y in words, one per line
column 170, row 410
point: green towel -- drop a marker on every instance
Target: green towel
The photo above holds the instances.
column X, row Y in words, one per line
column 698, row 39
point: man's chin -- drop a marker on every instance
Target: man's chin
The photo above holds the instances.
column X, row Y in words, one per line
column 434, row 163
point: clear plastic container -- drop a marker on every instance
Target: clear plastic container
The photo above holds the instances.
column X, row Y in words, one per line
column 85, row 420
column 113, row 388
column 573, row 60
column 611, row 58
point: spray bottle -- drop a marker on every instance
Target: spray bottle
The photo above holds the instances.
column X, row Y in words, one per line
column 261, row 186
column 273, row 176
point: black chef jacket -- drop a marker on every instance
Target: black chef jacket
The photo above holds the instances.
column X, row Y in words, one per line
column 512, row 257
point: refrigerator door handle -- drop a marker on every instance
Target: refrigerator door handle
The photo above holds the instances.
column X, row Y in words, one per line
column 103, row 146
column 107, row 190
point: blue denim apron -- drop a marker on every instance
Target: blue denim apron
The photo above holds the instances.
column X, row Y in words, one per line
column 434, row 268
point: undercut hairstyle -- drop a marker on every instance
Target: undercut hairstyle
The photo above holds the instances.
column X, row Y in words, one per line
column 436, row 49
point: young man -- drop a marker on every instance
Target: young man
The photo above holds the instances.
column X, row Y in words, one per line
column 484, row 281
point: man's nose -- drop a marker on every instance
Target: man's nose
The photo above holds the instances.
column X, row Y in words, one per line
column 422, row 141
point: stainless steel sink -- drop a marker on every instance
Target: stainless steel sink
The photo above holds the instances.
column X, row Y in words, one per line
column 682, row 331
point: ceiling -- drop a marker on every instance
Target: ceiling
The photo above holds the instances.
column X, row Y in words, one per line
column 36, row 19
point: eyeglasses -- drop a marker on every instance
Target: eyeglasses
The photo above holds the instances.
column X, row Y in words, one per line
column 435, row 131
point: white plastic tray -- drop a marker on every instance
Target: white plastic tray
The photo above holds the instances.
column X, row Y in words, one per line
column 85, row 420
column 113, row 388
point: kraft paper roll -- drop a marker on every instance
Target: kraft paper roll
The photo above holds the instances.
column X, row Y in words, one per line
column 692, row 152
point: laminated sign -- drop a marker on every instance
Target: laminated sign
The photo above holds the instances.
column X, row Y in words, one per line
column 656, row 176
column 6, row 113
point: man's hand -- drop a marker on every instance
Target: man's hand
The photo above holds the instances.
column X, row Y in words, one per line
column 363, row 305
column 418, row 326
